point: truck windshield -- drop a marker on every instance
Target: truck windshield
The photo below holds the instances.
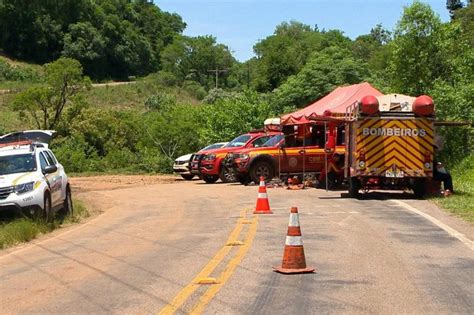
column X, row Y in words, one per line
column 20, row 163
column 273, row 141
column 238, row 142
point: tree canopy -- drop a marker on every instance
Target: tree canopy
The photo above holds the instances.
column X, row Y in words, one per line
column 293, row 67
column 111, row 38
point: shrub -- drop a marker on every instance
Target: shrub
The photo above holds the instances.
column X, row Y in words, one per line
column 166, row 78
column 75, row 154
column 216, row 94
column 229, row 117
column 119, row 159
column 160, row 102
column 194, row 89
column 13, row 73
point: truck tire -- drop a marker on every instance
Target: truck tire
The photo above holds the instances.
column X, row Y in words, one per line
column 354, row 186
column 48, row 213
column 67, row 206
column 227, row 175
column 419, row 188
column 261, row 168
column 209, row 179
column 187, row 176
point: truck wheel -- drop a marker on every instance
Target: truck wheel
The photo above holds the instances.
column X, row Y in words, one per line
column 67, row 206
column 227, row 175
column 47, row 209
column 187, row 176
column 209, row 179
column 261, row 168
column 354, row 186
column 419, row 188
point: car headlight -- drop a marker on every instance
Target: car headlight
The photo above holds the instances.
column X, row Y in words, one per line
column 24, row 188
column 427, row 165
column 210, row 157
column 361, row 164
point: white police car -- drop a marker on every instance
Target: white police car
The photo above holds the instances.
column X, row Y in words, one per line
column 31, row 178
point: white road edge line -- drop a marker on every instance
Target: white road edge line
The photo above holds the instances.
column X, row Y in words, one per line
column 450, row 230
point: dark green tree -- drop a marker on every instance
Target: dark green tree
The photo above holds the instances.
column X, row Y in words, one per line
column 194, row 58
column 286, row 52
column 452, row 6
column 416, row 60
column 465, row 17
column 111, row 38
column 324, row 71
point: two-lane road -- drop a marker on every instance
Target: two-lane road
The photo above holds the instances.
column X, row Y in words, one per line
column 153, row 243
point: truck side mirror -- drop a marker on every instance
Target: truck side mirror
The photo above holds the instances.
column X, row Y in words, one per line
column 50, row 169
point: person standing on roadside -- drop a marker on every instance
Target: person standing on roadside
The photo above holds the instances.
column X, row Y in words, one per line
column 440, row 173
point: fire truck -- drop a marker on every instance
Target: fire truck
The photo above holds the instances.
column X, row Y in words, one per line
column 389, row 143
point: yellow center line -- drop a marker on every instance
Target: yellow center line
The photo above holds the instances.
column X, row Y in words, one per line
column 187, row 291
column 228, row 271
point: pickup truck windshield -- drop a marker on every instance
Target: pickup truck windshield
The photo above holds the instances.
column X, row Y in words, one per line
column 238, row 142
column 20, row 163
column 213, row 146
column 273, row 141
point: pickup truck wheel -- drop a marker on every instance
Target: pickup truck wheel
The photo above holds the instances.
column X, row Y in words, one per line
column 67, row 206
column 209, row 179
column 261, row 168
column 227, row 175
column 354, row 186
column 187, row 176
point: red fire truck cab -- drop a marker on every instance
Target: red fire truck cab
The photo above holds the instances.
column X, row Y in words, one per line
column 302, row 149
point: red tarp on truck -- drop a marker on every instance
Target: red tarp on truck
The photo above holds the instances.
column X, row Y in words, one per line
column 336, row 102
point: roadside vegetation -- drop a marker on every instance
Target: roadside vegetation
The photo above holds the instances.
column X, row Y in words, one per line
column 14, row 231
column 175, row 108
column 462, row 202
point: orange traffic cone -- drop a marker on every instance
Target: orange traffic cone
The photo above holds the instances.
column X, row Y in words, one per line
column 293, row 255
column 262, row 207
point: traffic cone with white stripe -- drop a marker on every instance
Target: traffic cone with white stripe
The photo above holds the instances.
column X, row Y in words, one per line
column 262, row 207
column 294, row 260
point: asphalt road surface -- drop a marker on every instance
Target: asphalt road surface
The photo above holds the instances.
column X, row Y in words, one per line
column 161, row 248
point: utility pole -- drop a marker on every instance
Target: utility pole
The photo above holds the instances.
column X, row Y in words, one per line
column 217, row 71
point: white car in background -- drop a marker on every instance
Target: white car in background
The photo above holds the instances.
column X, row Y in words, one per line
column 31, row 178
column 181, row 165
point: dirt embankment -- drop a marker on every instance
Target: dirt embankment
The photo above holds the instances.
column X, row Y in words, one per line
column 111, row 182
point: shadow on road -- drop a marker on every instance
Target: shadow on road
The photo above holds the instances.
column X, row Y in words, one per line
column 378, row 195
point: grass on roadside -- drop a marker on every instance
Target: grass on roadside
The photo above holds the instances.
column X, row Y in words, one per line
column 462, row 202
column 22, row 230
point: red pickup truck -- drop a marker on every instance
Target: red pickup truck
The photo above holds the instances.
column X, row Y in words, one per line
column 209, row 164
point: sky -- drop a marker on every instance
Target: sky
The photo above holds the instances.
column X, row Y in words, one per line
column 240, row 24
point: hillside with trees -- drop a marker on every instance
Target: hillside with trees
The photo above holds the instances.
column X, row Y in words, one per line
column 55, row 50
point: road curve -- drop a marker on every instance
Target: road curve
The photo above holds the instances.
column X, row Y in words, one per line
column 151, row 241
